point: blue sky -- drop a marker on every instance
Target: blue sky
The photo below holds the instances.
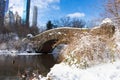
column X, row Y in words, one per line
column 55, row 9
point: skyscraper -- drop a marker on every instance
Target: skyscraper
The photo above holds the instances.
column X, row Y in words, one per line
column 6, row 5
column 17, row 18
column 35, row 12
column 26, row 11
column 2, row 12
column 9, row 18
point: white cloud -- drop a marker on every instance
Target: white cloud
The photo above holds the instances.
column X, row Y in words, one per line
column 76, row 15
column 44, row 6
column 16, row 6
column 55, row 7
column 41, row 4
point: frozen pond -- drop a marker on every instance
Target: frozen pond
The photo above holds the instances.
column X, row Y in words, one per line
column 15, row 66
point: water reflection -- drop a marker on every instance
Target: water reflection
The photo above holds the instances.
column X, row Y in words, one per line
column 24, row 65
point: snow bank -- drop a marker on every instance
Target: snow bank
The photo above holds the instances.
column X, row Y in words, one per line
column 109, row 71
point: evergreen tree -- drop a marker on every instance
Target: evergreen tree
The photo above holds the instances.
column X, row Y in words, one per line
column 49, row 25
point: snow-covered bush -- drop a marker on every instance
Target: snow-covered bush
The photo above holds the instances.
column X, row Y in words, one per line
column 88, row 49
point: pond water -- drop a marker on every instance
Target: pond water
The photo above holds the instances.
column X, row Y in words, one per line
column 15, row 67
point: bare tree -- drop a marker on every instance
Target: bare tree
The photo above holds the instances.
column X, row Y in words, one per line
column 69, row 22
column 112, row 10
column 65, row 21
column 78, row 23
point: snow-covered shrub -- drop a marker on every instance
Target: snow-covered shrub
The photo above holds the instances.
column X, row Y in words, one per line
column 117, row 42
column 91, row 48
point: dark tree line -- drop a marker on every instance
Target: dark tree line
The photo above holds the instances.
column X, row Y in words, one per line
column 20, row 30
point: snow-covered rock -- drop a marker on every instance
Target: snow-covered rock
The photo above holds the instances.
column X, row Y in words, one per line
column 107, row 20
column 29, row 35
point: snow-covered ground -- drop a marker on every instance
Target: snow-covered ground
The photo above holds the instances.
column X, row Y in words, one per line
column 15, row 53
column 106, row 71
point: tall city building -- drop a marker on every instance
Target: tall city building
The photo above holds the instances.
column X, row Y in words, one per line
column 17, row 18
column 9, row 18
column 2, row 12
column 6, row 5
column 26, row 11
column 35, row 13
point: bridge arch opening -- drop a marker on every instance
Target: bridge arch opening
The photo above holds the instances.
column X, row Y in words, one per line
column 47, row 47
column 51, row 45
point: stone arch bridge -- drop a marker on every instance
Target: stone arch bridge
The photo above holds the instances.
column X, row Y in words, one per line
column 45, row 42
